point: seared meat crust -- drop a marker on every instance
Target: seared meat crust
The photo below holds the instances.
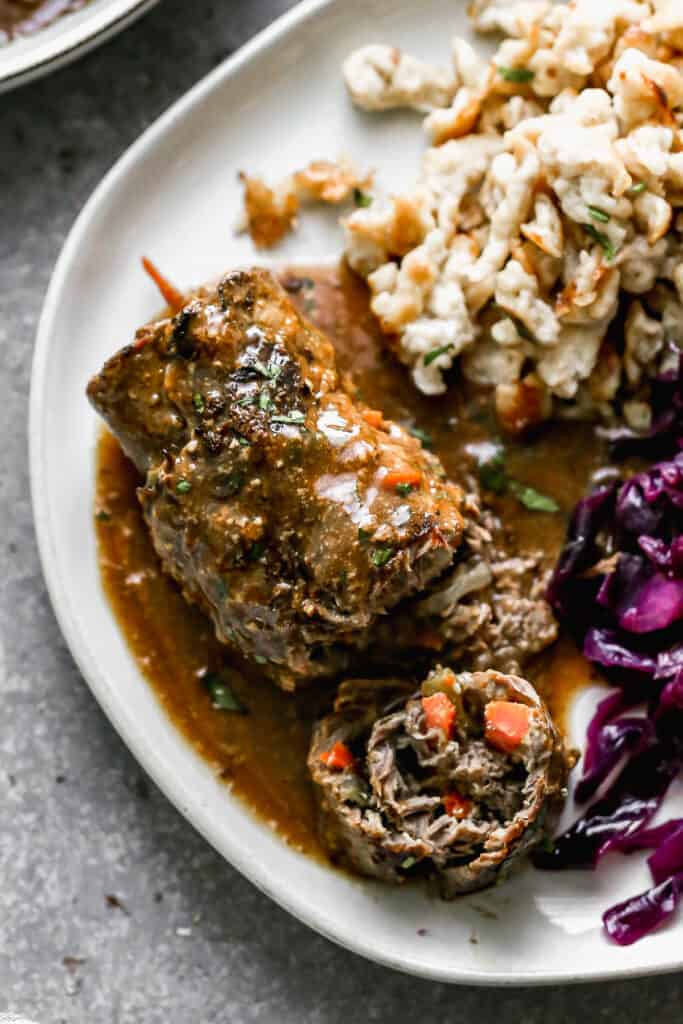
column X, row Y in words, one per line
column 265, row 488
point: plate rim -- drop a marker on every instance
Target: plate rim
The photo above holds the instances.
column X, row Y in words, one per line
column 46, row 55
column 299, row 908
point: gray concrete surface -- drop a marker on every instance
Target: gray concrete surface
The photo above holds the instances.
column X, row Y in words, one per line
column 193, row 941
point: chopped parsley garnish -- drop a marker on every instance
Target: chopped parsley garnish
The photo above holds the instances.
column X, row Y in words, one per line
column 264, row 401
column 260, row 660
column 198, row 403
column 380, row 556
column 404, row 489
column 533, row 499
column 435, row 353
column 361, row 198
column 422, row 436
column 222, row 696
column 294, row 417
column 519, row 75
column 243, row 441
column 638, row 189
column 598, row 214
column 601, row 239
column 270, row 371
column 103, row 516
column 363, row 535
column 227, row 485
column 256, row 551
column 183, row 486
column 408, row 862
column 493, row 476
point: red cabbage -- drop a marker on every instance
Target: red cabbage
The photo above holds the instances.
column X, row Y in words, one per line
column 661, row 440
column 636, row 917
column 667, row 859
column 618, row 586
column 603, row 647
column 614, row 740
column 649, row 838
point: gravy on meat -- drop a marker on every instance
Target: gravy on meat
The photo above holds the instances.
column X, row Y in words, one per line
column 262, row 754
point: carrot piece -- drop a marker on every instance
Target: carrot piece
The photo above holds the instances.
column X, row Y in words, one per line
column 439, row 713
column 338, row 757
column 173, row 298
column 373, row 416
column 455, row 805
column 401, row 478
column 506, row 724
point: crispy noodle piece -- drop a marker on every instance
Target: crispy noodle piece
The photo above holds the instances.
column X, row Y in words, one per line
column 383, row 78
column 271, row 213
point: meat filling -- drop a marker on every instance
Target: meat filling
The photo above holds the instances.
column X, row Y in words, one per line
column 456, row 781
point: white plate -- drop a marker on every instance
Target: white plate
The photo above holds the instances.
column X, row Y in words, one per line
column 66, row 38
column 174, row 196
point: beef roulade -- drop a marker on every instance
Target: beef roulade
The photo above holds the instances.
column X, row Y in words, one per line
column 457, row 781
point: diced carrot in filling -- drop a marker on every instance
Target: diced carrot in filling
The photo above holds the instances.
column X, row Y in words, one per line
column 373, row 416
column 455, row 805
column 439, row 713
column 506, row 724
column 405, row 478
column 171, row 295
column 337, row 757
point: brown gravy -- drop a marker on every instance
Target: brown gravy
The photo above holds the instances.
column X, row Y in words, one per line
column 24, row 17
column 262, row 754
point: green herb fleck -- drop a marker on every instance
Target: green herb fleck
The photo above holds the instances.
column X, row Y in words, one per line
column 404, row 489
column 533, row 499
column 519, row 75
column 422, row 436
column 294, row 417
column 492, row 474
column 198, row 403
column 260, row 660
column 380, row 556
column 264, row 401
column 183, row 486
column 363, row 535
column 221, row 590
column 408, row 862
column 243, row 441
column 222, row 697
column 361, row 198
column 435, row 353
column 598, row 214
column 270, row 371
column 601, row 239
column 256, row 551
column 102, row 516
column 638, row 189
column 227, row 485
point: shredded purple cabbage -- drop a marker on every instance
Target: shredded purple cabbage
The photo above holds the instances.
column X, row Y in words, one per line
column 618, row 586
column 636, row 917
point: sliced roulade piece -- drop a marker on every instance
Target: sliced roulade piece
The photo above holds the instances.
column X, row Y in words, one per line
column 457, row 781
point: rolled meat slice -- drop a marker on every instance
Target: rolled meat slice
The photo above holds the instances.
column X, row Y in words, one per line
column 292, row 514
column 456, row 781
